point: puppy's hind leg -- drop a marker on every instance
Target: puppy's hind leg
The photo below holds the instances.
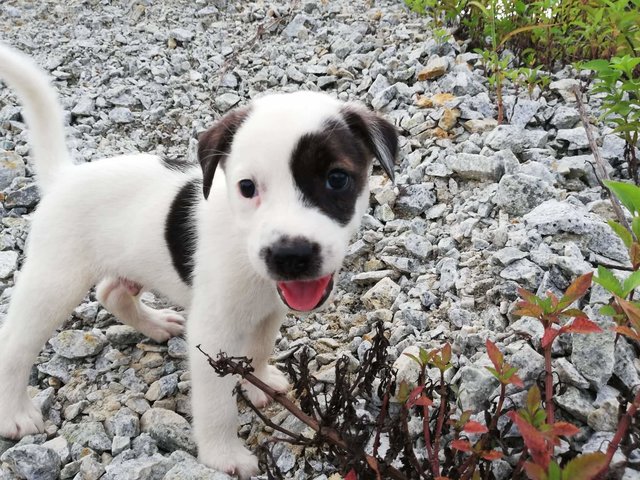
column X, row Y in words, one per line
column 49, row 287
column 122, row 298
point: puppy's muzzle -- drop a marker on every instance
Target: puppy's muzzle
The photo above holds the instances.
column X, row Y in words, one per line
column 293, row 259
column 296, row 265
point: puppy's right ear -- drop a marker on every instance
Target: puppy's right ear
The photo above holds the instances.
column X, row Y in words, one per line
column 215, row 144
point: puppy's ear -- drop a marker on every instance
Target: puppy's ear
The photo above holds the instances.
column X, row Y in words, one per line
column 215, row 144
column 377, row 134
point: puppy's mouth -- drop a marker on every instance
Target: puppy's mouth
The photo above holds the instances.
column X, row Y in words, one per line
column 305, row 295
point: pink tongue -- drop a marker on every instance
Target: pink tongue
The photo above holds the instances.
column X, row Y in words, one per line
column 304, row 295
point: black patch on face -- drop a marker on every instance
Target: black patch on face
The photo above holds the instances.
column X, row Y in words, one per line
column 378, row 135
column 215, row 144
column 180, row 229
column 316, row 154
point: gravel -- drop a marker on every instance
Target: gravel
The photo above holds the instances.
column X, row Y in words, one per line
column 477, row 210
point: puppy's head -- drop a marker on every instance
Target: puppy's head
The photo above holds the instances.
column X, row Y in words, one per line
column 296, row 168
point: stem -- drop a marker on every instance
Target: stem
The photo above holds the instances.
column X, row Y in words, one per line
column 548, row 385
column 226, row 366
column 601, row 172
column 496, row 416
column 440, row 422
column 623, row 426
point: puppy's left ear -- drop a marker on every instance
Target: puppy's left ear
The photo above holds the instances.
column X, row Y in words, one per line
column 215, row 144
column 378, row 135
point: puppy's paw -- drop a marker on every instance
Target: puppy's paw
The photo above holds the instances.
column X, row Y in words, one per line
column 233, row 460
column 20, row 418
column 272, row 377
column 161, row 325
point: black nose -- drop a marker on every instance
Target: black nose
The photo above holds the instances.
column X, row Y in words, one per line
column 293, row 258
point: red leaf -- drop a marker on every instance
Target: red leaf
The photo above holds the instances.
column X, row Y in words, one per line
column 415, row 393
column 515, row 380
column 533, row 439
column 491, row 455
column 631, row 310
column 423, row 402
column 352, row 475
column 549, row 336
column 474, row 427
column 581, row 325
column 446, row 353
column 627, row 332
column 565, row 429
column 528, row 310
column 495, row 355
column 462, row 445
column 577, row 289
column 527, row 295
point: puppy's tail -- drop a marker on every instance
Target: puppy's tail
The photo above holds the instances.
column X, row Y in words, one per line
column 42, row 112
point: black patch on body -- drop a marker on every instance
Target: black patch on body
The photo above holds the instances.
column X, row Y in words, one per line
column 180, row 229
column 176, row 165
column 316, row 154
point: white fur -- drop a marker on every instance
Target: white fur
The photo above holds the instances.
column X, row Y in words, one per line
column 103, row 221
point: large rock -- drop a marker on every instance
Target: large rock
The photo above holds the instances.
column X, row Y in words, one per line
column 518, row 194
column 472, row 166
column 168, row 429
column 593, row 354
column 78, row 343
column 33, row 462
column 553, row 217
column 515, row 138
column 11, row 166
column 381, row 295
column 8, row 263
column 87, row 434
column 149, row 467
column 414, row 200
column 476, row 387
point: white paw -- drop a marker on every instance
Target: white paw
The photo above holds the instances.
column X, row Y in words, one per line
column 272, row 377
column 161, row 325
column 20, row 418
column 233, row 460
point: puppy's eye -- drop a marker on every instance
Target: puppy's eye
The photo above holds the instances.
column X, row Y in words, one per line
column 247, row 188
column 338, row 180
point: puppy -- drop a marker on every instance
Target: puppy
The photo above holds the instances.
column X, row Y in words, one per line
column 259, row 228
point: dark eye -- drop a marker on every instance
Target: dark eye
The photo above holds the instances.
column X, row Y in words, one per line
column 338, row 180
column 247, row 188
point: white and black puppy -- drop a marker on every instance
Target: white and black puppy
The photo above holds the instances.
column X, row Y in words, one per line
column 259, row 228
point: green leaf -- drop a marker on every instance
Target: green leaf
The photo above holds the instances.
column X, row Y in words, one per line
column 596, row 65
column 631, row 282
column 622, row 232
column 629, row 195
column 554, row 471
column 585, row 467
column 635, row 226
column 608, row 311
column 608, row 281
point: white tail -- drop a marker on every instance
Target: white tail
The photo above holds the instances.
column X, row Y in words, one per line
column 42, row 112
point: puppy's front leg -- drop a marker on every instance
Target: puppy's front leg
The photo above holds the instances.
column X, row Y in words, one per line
column 260, row 348
column 214, row 408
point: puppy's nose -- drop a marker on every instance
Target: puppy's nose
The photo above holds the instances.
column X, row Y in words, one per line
column 293, row 258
